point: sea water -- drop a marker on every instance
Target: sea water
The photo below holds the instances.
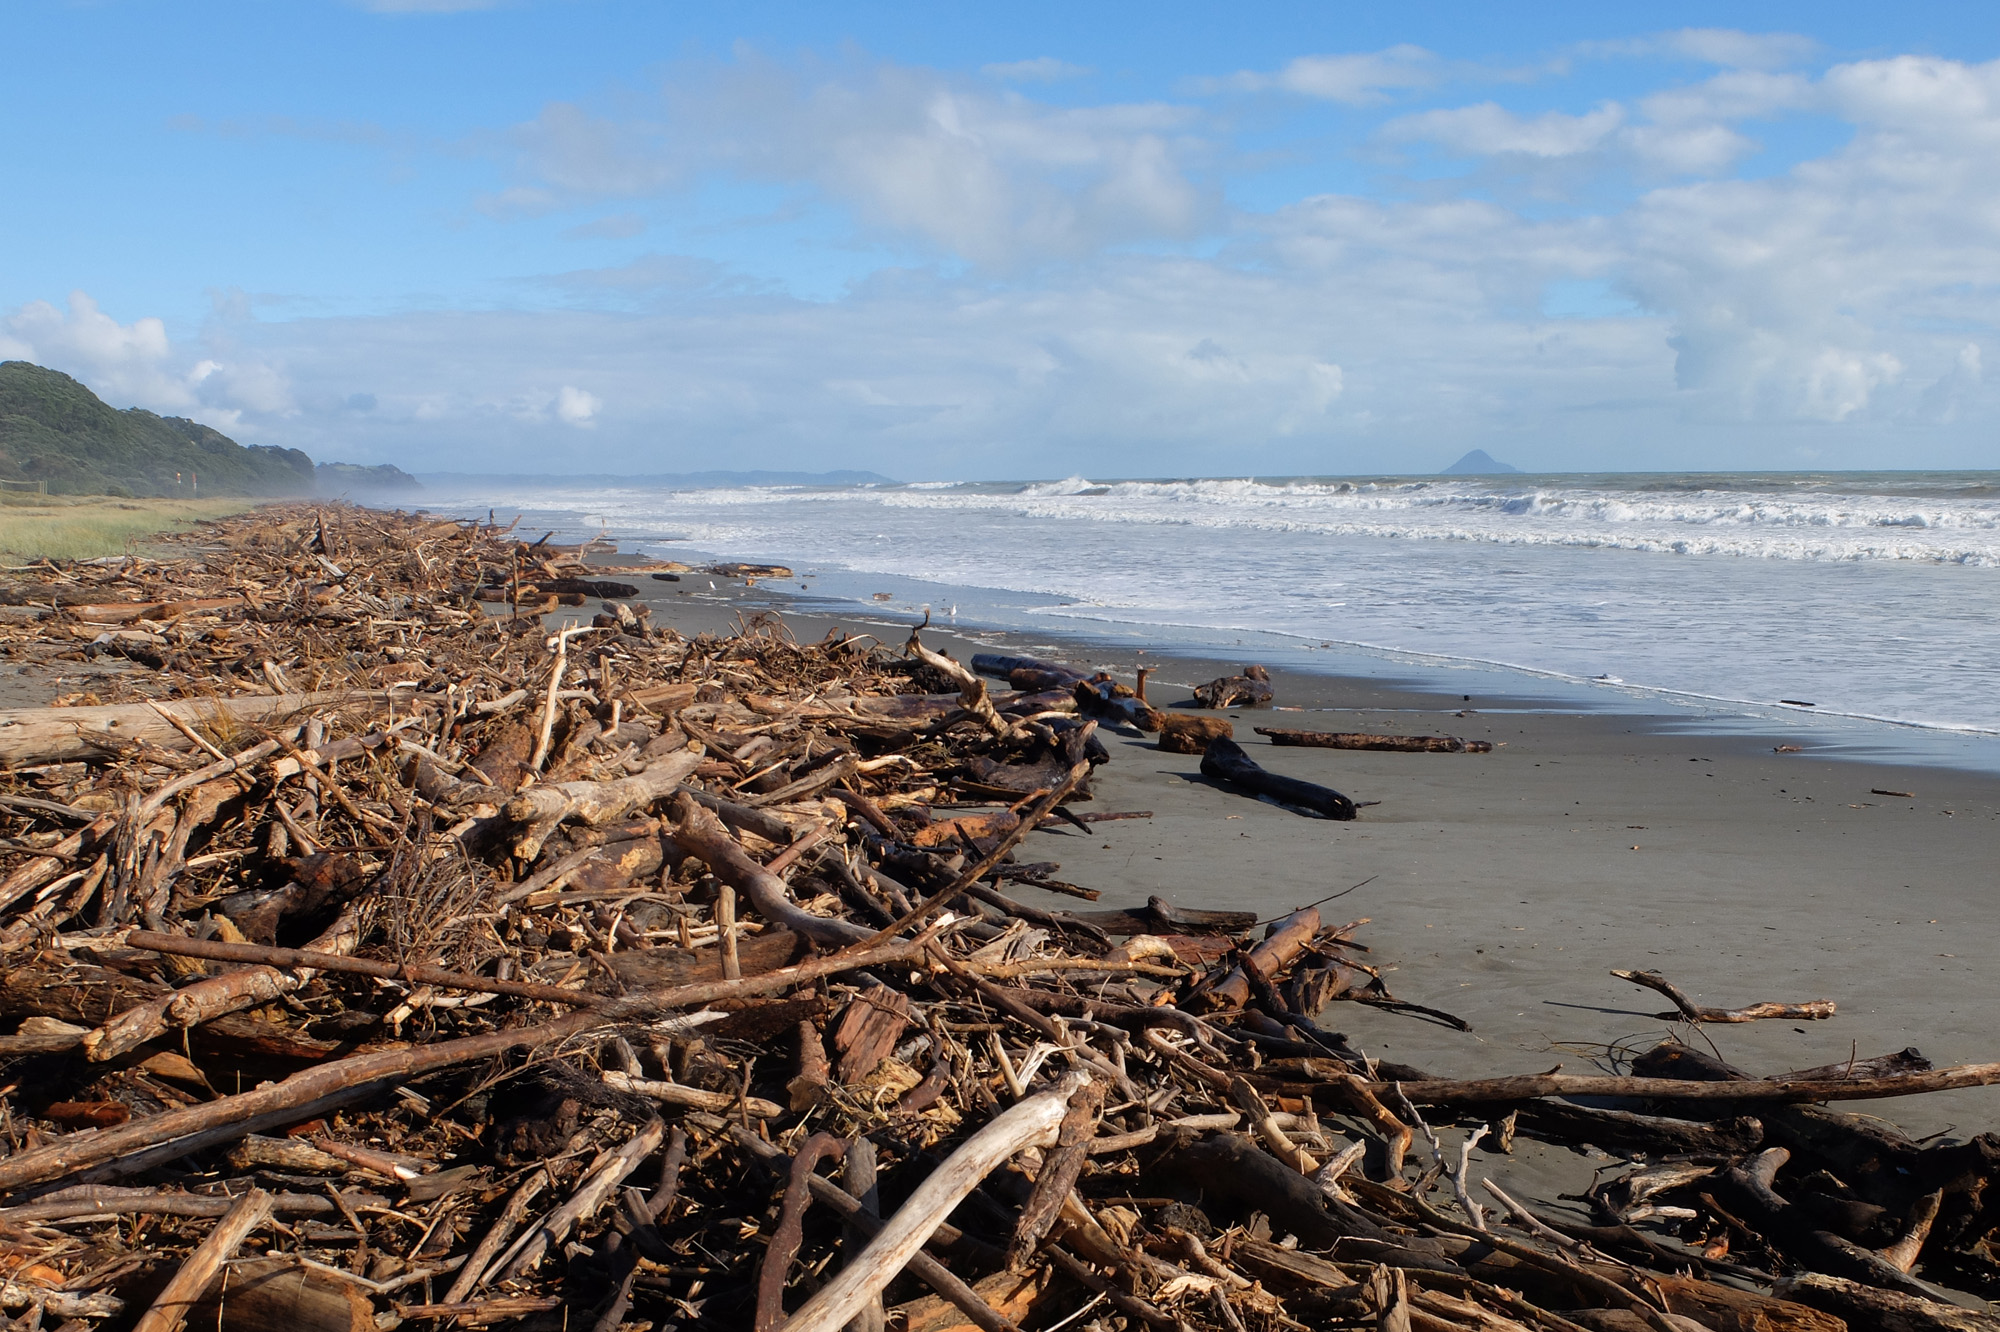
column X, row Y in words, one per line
column 1866, row 595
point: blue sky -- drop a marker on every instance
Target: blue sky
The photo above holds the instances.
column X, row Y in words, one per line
column 977, row 241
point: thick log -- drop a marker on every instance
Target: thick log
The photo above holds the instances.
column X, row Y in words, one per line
column 595, row 803
column 1102, row 699
column 172, row 1305
column 53, row 735
column 1394, row 744
column 1887, row 1310
column 267, row 1293
column 1235, row 1173
column 1649, row 1135
column 1181, row 733
column 1003, row 666
column 1283, row 941
column 160, row 1137
column 1035, row 1122
column 1226, row 762
column 701, row 834
column 1527, row 1087
column 1236, row 691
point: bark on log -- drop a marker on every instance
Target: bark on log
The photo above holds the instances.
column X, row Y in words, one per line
column 156, row 1138
column 702, row 834
column 1236, row 691
column 1098, row 698
column 1395, row 744
column 1226, row 762
column 54, row 735
column 1184, row 734
column 1033, row 1123
column 170, row 1308
column 1889, row 1311
column 595, row 803
column 1526, row 1087
column 1283, row 941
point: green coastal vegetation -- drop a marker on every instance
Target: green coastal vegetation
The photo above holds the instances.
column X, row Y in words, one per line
column 56, row 431
column 82, row 527
column 81, row 479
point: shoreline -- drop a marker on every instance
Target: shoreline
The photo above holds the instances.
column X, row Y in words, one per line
column 623, row 824
column 1756, row 875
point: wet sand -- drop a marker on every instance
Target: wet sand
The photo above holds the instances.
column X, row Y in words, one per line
column 1504, row 887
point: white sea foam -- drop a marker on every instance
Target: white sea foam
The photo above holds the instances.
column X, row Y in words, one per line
column 1872, row 595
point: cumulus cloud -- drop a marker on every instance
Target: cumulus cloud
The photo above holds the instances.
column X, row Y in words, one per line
column 1357, row 79
column 1488, row 129
column 132, row 362
column 995, row 178
column 577, row 407
column 1335, row 332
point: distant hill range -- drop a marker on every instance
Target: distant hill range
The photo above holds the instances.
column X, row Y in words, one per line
column 668, row 480
column 54, row 430
column 1478, row 463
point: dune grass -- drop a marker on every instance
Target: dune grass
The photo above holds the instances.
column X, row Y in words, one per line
column 82, row 527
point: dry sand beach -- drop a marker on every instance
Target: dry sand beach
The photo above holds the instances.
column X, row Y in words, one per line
column 1504, row 887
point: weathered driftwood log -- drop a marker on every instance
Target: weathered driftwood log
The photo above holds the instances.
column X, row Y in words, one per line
column 266, row 1293
column 1183, row 734
column 1035, row 1122
column 1689, row 1010
column 1801, row 1232
column 1225, row 761
column 921, row 1265
column 1049, row 673
column 702, row 834
column 1396, row 744
column 170, row 1308
column 541, row 808
column 1236, row 691
column 1865, row 1306
column 1104, row 699
column 1486, row 1091
column 343, row 1081
column 1283, row 941
column 194, row 1004
column 52, row 735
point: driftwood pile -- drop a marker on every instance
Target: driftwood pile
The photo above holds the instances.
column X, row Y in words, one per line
column 373, row 959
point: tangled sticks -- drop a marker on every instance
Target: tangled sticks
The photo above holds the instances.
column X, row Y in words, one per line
column 414, row 962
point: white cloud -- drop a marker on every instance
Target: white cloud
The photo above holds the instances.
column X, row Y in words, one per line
column 131, row 362
column 575, row 406
column 1358, row 79
column 1042, row 69
column 1847, row 296
column 1730, row 48
column 998, row 179
column 1488, row 129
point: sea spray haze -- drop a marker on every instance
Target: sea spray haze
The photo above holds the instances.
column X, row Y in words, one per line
column 1870, row 594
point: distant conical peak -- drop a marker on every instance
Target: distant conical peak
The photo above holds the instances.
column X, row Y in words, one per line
column 1478, row 463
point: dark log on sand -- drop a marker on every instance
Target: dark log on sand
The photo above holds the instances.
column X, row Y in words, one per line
column 1101, row 698
column 1236, row 691
column 1003, row 667
column 1225, row 761
column 1183, row 734
column 1395, row 744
